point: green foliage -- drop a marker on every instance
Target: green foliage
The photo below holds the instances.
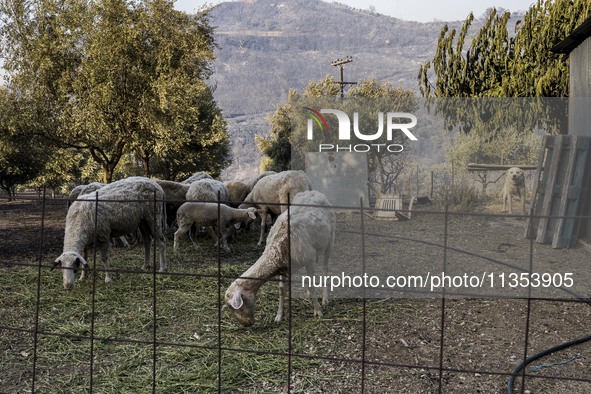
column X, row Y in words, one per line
column 327, row 87
column 277, row 147
column 498, row 64
column 509, row 147
column 22, row 156
column 63, row 169
column 112, row 77
column 534, row 70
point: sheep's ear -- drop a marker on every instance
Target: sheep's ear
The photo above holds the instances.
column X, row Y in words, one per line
column 236, row 302
column 252, row 215
column 237, row 226
column 80, row 261
column 57, row 263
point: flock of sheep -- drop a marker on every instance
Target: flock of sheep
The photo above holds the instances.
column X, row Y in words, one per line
column 303, row 235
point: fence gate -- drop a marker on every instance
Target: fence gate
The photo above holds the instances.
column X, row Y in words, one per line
column 557, row 196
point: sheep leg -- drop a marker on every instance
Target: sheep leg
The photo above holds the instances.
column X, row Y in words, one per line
column 192, row 237
column 225, row 241
column 163, row 265
column 83, row 269
column 263, row 227
column 147, row 246
column 105, row 258
column 124, row 241
column 179, row 233
column 147, row 233
column 317, row 307
column 223, row 238
column 155, row 230
column 324, row 273
column 279, row 315
column 213, row 234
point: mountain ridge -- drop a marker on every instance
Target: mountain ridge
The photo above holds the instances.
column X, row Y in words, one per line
column 266, row 47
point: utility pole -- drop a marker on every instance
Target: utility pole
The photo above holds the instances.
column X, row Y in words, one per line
column 340, row 63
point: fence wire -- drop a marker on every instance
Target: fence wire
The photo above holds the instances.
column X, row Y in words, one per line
column 357, row 364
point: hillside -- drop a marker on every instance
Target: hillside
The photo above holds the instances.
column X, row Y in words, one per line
column 266, row 47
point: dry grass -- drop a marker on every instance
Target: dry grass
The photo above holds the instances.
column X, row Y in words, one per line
column 119, row 325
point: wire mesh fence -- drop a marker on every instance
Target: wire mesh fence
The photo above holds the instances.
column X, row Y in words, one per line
column 163, row 332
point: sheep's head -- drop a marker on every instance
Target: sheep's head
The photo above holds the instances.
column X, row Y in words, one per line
column 70, row 263
column 252, row 213
column 241, row 304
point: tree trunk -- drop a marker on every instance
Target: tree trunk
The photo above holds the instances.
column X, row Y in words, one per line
column 108, row 171
column 146, row 162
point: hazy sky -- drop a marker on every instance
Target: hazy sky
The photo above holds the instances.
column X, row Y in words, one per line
column 414, row 10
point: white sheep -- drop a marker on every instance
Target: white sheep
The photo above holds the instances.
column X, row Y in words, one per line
column 254, row 179
column 206, row 190
column 237, row 192
column 311, row 236
column 81, row 190
column 239, row 189
column 206, row 214
column 272, row 192
column 122, row 208
column 175, row 196
column 197, row 176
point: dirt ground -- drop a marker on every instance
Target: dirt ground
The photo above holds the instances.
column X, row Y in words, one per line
column 463, row 344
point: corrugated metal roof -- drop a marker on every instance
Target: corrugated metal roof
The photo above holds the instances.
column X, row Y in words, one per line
column 579, row 35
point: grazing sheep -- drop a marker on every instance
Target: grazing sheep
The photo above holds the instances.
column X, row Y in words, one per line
column 206, row 190
column 239, row 189
column 270, row 194
column 196, row 177
column 237, row 192
column 311, row 236
column 175, row 196
column 136, row 211
column 85, row 189
column 253, row 180
column 206, row 214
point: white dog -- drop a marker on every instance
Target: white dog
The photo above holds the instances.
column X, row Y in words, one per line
column 514, row 185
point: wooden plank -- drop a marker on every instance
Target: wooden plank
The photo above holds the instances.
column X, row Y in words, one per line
column 564, row 177
column 537, row 195
column 548, row 205
column 564, row 235
column 560, row 190
column 498, row 167
column 544, row 206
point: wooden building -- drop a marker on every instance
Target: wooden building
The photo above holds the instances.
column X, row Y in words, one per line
column 577, row 49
